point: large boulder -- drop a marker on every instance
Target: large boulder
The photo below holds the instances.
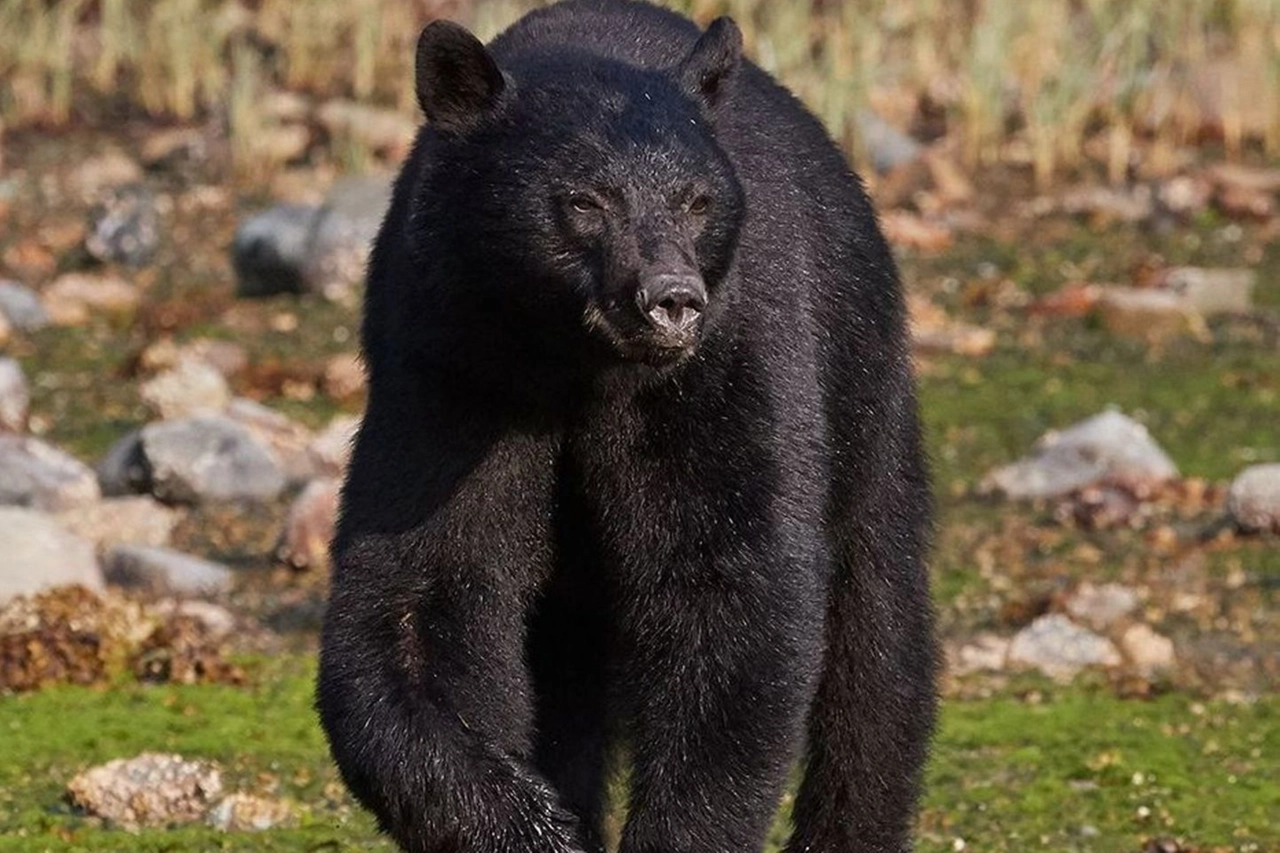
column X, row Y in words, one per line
column 1254, row 498
column 15, row 396
column 1108, row 447
column 1101, row 607
column 1213, row 291
column 133, row 519
column 149, row 790
column 160, row 571
column 39, row 554
column 123, row 470
column 299, row 248
column 271, row 250
column 124, row 227
column 71, row 299
column 288, row 439
column 190, row 387
column 37, row 475
column 22, row 307
column 1060, row 648
column 209, row 458
column 309, row 527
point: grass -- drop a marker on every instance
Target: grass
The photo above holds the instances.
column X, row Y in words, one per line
column 1089, row 772
column 1069, row 772
column 1071, row 369
column 1033, row 83
column 1181, row 397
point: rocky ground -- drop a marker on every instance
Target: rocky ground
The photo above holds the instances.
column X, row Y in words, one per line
column 1100, row 377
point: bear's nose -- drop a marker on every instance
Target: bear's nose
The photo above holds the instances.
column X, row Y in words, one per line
column 672, row 302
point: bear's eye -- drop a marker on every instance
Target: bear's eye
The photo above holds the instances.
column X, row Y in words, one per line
column 582, row 203
column 699, row 205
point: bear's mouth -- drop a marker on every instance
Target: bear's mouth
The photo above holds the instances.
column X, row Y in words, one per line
column 632, row 338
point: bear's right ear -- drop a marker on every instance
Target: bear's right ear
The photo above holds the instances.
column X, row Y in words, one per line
column 708, row 71
column 457, row 81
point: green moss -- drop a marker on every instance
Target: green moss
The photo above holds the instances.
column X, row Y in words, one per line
column 1212, row 407
column 1090, row 772
column 265, row 737
column 1005, row 774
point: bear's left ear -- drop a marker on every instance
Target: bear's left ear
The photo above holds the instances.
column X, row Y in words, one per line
column 705, row 74
column 458, row 83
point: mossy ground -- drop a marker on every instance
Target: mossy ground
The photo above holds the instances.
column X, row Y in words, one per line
column 1075, row 770
column 1019, row 764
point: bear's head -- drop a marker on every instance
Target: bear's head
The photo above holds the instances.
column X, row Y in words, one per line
column 585, row 199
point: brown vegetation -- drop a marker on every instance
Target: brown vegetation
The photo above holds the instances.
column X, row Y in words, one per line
column 1048, row 85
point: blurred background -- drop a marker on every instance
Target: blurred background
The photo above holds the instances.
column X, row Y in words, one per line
column 1083, row 199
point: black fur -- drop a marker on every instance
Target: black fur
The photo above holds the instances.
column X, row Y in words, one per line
column 566, row 527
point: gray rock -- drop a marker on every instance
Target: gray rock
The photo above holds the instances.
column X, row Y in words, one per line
column 72, row 298
column 359, row 202
column 1148, row 652
column 39, row 554
column 124, row 227
column 987, row 653
column 1108, row 446
column 887, row 146
column 150, row 790
column 309, row 527
column 1254, row 498
column 124, row 470
column 1213, row 291
column 209, row 458
column 1149, row 315
column 289, row 440
column 160, row 571
column 37, row 475
column 190, row 387
column 270, row 251
column 1100, row 607
column 1060, row 648
column 22, row 306
column 15, row 396
column 136, row 519
column 294, row 248
column 352, row 214
column 1184, row 195
column 217, row 620
column 226, row 357
column 248, row 813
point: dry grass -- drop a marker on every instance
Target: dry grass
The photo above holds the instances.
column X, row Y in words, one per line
column 1045, row 83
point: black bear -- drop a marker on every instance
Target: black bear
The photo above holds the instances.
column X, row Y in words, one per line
column 640, row 473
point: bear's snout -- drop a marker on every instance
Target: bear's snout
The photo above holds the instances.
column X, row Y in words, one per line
column 672, row 303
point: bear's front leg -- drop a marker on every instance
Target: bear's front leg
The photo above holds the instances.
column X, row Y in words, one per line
column 423, row 689
column 721, row 625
